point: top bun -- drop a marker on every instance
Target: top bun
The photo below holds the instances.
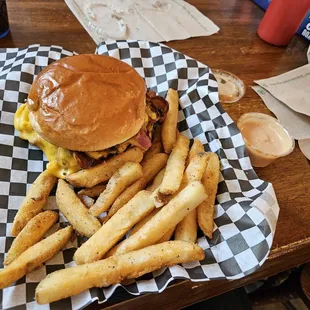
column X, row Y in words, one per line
column 87, row 102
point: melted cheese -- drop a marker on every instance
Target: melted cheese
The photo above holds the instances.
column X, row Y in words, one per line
column 61, row 161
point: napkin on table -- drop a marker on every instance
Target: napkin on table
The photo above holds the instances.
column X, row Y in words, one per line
column 297, row 124
column 288, row 97
column 151, row 20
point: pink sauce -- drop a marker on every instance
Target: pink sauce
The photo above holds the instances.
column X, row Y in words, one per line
column 265, row 138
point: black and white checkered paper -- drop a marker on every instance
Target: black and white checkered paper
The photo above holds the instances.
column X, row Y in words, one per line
column 246, row 211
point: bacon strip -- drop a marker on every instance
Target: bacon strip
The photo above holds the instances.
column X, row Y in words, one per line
column 143, row 139
column 83, row 160
column 158, row 104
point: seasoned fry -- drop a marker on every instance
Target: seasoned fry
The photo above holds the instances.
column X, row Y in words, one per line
column 167, row 235
column 35, row 256
column 32, row 233
column 93, row 192
column 118, row 225
column 205, row 210
column 157, row 180
column 160, row 199
column 121, row 179
column 195, row 168
column 104, row 171
column 175, row 167
column 87, row 201
column 67, row 282
column 149, row 168
column 143, row 221
column 196, row 148
column 156, row 148
column 186, row 230
column 124, row 197
column 169, row 127
column 205, row 218
column 34, row 201
column 74, row 210
column 167, row 218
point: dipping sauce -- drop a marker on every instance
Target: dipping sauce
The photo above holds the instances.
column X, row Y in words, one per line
column 265, row 138
column 231, row 88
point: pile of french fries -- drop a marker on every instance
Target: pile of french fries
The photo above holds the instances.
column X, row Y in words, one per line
column 165, row 193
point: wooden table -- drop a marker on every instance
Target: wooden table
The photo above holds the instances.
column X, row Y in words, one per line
column 238, row 49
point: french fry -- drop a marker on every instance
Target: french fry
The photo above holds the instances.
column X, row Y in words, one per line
column 160, row 199
column 34, row 201
column 121, row 179
column 93, row 192
column 169, row 127
column 167, row 218
column 123, row 198
column 175, row 167
column 35, row 256
column 210, row 179
column 104, row 171
column 156, row 148
column 195, row 168
column 67, row 282
column 196, row 148
column 75, row 211
column 186, row 230
column 149, row 168
column 32, row 233
column 143, row 221
column 87, row 201
column 167, row 236
column 157, row 181
column 118, row 225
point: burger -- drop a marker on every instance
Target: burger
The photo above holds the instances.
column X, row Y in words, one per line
column 84, row 109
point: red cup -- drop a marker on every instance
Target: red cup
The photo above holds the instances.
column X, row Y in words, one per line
column 281, row 20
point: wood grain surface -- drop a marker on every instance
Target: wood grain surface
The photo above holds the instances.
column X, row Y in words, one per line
column 237, row 49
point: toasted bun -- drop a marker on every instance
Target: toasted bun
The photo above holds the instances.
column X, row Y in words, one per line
column 87, row 102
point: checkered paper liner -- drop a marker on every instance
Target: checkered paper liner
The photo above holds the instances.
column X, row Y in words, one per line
column 246, row 211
